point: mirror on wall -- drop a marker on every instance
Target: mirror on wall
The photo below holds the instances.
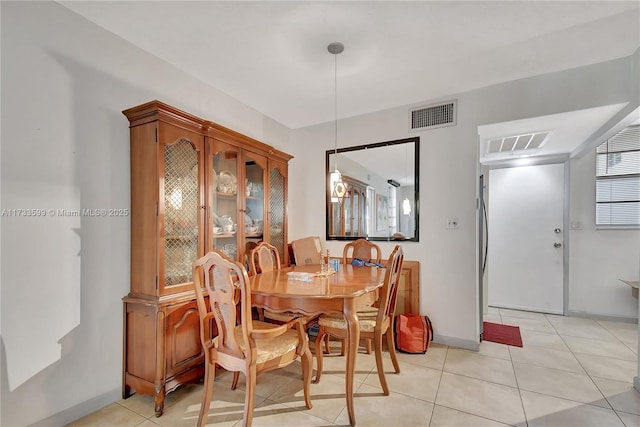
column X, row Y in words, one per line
column 381, row 200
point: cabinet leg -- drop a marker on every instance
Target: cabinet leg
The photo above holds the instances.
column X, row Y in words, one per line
column 159, row 401
column 126, row 391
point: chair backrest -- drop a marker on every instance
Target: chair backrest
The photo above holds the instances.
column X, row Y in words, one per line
column 307, row 250
column 264, row 257
column 226, row 283
column 362, row 249
column 389, row 292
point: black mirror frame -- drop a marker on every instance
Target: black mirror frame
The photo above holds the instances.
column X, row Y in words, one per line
column 416, row 156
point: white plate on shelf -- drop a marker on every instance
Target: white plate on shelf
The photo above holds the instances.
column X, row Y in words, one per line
column 226, row 182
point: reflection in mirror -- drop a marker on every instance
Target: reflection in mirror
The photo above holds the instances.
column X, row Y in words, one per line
column 382, row 200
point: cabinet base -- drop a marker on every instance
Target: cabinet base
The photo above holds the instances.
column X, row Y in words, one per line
column 160, row 391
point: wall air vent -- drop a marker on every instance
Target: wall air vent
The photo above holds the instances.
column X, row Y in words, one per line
column 434, row 116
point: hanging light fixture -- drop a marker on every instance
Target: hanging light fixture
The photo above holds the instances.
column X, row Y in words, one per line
column 337, row 185
column 406, row 205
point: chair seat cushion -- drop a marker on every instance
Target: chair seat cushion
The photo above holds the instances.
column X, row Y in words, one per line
column 366, row 319
column 270, row 348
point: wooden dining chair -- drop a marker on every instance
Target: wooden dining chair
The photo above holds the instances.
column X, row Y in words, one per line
column 363, row 249
column 373, row 325
column 367, row 251
column 265, row 257
column 241, row 344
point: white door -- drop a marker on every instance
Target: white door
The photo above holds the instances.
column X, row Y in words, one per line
column 525, row 253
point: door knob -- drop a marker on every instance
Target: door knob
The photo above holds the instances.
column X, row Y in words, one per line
column 557, row 245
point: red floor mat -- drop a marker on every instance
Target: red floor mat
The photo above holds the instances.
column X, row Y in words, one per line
column 503, row 334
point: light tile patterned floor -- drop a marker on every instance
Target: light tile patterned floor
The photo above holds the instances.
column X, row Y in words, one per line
column 570, row 372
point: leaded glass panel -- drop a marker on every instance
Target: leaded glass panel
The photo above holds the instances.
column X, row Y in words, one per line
column 181, row 211
column 277, row 209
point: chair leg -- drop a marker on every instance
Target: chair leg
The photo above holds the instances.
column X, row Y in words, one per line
column 249, row 397
column 307, row 370
column 343, row 347
column 319, row 340
column 377, row 343
column 327, row 344
column 391, row 346
column 207, row 393
column 236, row 377
column 368, row 345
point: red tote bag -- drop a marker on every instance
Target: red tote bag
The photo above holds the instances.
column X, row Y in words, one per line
column 414, row 333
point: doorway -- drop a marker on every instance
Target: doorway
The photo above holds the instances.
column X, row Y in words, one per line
column 525, row 232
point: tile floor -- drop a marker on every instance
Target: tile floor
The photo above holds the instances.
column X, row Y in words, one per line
column 570, row 372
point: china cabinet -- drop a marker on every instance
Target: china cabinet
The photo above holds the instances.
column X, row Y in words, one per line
column 196, row 186
column 347, row 217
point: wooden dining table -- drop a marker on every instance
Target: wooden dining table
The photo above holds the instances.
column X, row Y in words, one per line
column 340, row 293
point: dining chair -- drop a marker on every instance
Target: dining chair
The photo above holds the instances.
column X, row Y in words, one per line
column 367, row 251
column 363, row 249
column 265, row 257
column 373, row 325
column 238, row 343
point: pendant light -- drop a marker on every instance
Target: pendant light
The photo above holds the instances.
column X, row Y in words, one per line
column 337, row 186
column 406, row 205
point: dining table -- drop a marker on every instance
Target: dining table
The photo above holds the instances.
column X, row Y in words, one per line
column 306, row 290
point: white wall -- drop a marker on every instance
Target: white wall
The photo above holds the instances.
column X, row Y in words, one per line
column 448, row 179
column 598, row 257
column 65, row 145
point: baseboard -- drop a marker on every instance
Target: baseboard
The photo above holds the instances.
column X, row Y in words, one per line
column 456, row 342
column 523, row 308
column 606, row 317
column 80, row 410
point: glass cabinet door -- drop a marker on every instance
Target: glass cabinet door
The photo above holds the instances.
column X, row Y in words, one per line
column 336, row 218
column 355, row 215
column 277, row 210
column 255, row 169
column 347, row 213
column 223, row 219
column 181, row 211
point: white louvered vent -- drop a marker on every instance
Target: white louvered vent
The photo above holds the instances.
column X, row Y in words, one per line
column 516, row 143
column 434, row 116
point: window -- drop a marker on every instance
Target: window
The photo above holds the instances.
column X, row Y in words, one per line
column 618, row 179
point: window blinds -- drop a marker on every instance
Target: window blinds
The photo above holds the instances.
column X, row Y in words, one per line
column 618, row 179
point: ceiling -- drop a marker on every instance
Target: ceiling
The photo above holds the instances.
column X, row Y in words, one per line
column 273, row 56
column 565, row 132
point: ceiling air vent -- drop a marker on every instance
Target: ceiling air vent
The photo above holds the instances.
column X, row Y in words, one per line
column 434, row 116
column 517, row 143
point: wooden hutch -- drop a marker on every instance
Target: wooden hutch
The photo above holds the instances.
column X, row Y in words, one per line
column 196, row 186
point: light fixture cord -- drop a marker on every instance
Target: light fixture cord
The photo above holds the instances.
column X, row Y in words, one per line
column 335, row 104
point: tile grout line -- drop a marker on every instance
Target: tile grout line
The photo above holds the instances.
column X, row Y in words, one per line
column 435, row 398
column 586, row 371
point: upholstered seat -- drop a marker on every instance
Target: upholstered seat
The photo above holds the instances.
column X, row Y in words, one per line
column 367, row 321
column 268, row 348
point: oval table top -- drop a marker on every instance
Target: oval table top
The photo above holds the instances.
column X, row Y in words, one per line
column 348, row 281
